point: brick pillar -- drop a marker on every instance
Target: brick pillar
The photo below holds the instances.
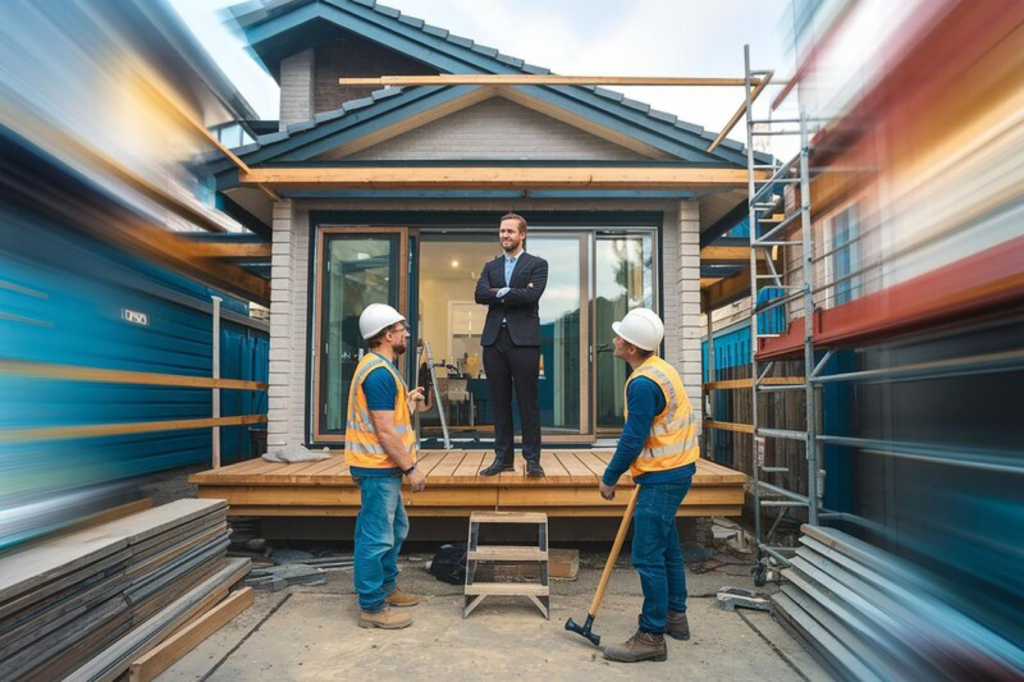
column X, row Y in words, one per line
column 281, row 325
column 687, row 292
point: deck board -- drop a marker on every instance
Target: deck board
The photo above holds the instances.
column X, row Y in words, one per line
column 455, row 487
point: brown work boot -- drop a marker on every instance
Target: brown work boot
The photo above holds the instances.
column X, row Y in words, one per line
column 386, row 619
column 642, row 646
column 402, row 599
column 677, row 627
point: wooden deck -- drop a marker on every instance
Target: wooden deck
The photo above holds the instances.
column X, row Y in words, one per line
column 325, row 488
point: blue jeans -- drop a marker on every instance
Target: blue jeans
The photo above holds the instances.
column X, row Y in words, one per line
column 381, row 527
column 656, row 553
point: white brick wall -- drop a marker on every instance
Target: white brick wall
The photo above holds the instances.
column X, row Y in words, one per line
column 296, row 89
column 686, row 289
column 286, row 414
column 496, row 129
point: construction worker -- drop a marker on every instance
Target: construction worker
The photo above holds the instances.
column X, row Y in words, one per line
column 380, row 449
column 659, row 447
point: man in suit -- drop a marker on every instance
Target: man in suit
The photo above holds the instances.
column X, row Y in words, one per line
column 511, row 286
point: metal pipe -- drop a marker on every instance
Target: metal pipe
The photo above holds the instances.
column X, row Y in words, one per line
column 751, row 191
column 216, row 375
column 975, row 364
column 783, row 492
column 808, row 276
column 988, row 460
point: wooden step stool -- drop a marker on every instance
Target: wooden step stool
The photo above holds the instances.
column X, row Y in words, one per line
column 537, row 592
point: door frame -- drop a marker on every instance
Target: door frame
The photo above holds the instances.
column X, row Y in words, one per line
column 323, row 232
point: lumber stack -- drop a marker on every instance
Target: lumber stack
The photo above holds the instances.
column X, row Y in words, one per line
column 86, row 604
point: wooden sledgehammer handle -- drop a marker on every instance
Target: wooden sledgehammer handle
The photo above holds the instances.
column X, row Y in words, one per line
column 614, row 555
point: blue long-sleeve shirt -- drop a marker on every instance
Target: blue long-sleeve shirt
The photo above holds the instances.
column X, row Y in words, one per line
column 645, row 401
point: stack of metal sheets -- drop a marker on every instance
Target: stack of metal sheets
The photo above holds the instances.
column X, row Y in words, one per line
column 868, row 615
column 84, row 604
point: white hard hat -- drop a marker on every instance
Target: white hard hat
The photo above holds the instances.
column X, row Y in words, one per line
column 641, row 327
column 377, row 316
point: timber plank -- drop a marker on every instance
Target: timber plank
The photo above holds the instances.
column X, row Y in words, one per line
column 187, row 638
column 578, row 471
column 429, row 461
column 469, row 466
column 554, row 472
column 592, row 462
column 449, row 464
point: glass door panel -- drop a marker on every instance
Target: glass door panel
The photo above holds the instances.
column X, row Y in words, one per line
column 564, row 324
column 624, row 279
column 356, row 269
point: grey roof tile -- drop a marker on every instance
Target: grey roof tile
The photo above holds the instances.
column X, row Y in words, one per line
column 325, row 116
column 385, row 93
column 663, row 116
column 412, row 21
column 459, row 40
column 387, row 11
column 367, row 3
column 690, row 127
column 511, row 61
column 483, row 49
column 354, row 104
column 435, row 31
column 300, row 126
column 536, row 70
column 609, row 94
column 634, row 104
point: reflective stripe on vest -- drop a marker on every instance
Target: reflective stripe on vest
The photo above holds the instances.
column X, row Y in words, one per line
column 362, row 446
column 672, row 441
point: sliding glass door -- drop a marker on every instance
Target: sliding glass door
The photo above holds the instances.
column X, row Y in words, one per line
column 354, row 269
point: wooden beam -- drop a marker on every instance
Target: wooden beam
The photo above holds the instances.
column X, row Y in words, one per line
column 206, row 249
column 530, row 79
column 46, row 370
column 163, row 655
column 496, row 178
column 705, row 282
column 759, row 85
column 748, row 383
column 731, row 288
column 729, row 426
column 96, row 430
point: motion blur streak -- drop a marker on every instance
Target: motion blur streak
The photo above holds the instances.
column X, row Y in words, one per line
column 98, row 159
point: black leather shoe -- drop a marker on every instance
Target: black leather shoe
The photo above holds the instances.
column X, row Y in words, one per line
column 534, row 470
column 497, row 466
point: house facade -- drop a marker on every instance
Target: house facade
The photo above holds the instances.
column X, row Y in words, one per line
column 394, row 195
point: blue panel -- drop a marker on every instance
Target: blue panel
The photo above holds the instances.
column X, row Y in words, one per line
column 63, row 299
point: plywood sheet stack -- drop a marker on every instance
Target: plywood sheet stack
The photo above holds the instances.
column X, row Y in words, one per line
column 85, row 604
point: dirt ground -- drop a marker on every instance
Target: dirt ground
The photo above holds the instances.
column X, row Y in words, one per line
column 310, row 633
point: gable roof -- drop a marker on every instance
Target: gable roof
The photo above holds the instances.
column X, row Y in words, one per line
column 279, row 28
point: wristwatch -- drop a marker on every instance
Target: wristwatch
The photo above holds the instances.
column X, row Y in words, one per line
column 406, row 472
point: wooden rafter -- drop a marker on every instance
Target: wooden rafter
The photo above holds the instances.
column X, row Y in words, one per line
column 496, row 178
column 529, row 79
column 204, row 249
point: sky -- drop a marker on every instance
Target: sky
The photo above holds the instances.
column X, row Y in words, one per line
column 576, row 37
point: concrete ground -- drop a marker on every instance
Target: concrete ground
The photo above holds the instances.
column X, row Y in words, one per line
column 310, row 633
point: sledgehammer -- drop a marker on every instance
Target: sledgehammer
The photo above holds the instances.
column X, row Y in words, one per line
column 609, row 566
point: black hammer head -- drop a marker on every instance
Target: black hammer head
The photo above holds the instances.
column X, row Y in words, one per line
column 571, row 626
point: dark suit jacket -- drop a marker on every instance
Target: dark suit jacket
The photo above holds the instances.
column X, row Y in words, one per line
column 520, row 305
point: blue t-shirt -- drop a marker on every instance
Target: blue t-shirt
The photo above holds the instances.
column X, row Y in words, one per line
column 645, row 401
column 381, row 391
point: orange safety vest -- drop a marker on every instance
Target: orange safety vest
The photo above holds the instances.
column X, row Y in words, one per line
column 672, row 442
column 362, row 446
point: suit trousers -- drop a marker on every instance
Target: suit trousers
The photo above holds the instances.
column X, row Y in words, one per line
column 510, row 367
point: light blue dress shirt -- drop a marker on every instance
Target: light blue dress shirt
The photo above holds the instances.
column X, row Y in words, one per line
column 510, row 267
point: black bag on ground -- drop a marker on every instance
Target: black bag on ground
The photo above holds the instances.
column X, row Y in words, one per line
column 449, row 564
